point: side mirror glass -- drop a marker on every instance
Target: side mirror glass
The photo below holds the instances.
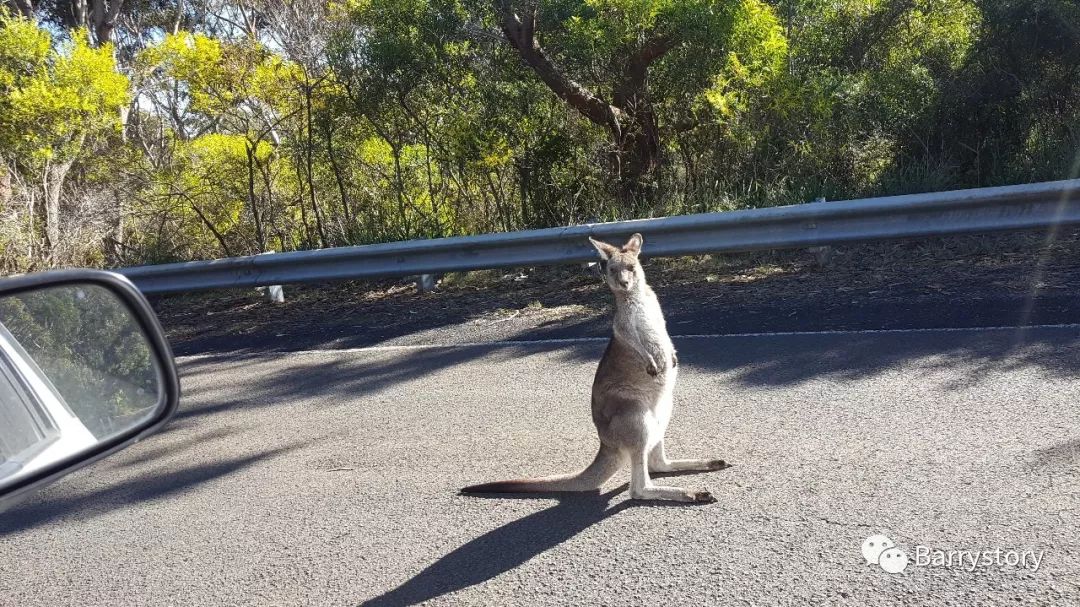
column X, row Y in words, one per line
column 84, row 371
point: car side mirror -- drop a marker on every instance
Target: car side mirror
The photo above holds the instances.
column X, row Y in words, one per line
column 85, row 371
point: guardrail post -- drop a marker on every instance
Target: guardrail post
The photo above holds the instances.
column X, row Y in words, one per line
column 823, row 254
column 272, row 293
column 275, row 294
column 426, row 283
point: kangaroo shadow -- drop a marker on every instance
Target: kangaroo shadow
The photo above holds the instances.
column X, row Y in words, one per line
column 502, row 549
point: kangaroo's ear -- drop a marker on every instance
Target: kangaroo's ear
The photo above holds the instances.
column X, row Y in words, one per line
column 634, row 244
column 604, row 249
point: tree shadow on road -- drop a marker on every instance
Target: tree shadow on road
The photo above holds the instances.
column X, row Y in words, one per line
column 771, row 360
column 234, row 321
column 967, row 357
column 1062, row 455
column 332, row 375
column 749, row 361
column 160, row 483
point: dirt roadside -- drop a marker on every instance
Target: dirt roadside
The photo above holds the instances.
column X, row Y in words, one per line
column 967, row 281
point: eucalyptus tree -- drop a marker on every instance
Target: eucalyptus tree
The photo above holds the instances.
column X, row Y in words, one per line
column 631, row 67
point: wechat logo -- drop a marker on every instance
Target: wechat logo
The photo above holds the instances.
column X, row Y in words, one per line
column 880, row 550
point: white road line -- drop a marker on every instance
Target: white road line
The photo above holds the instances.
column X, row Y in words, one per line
column 574, row 340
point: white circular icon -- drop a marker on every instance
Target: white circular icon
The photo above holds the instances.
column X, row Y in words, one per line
column 874, row 546
column 893, row 560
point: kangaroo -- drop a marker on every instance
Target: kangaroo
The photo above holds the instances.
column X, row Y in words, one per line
column 631, row 395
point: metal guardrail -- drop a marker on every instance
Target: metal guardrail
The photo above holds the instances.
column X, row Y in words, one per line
column 1038, row 205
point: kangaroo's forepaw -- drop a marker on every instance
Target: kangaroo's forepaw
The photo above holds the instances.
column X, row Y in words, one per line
column 704, row 497
column 651, row 369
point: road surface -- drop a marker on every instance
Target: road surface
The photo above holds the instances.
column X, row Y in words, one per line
column 330, row 478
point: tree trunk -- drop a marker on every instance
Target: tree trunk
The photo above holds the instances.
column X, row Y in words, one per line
column 630, row 117
column 524, row 179
column 307, row 239
column 401, row 192
column 117, row 220
column 638, row 162
column 309, row 164
column 210, row 226
column 346, row 206
column 55, row 174
column 25, row 8
column 100, row 18
column 259, row 234
column 639, row 139
column 399, row 180
column 500, row 207
column 7, row 190
column 267, row 218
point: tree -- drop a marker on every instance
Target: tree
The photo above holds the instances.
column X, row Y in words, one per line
column 292, row 124
column 602, row 60
column 227, row 101
column 57, row 105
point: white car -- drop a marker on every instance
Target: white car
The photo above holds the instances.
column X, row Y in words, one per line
column 39, row 427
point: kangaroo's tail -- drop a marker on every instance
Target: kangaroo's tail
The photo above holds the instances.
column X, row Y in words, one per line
column 607, row 463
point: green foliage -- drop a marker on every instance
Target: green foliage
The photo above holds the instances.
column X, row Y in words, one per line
column 754, row 63
column 385, row 120
column 53, row 99
column 220, row 76
column 831, row 107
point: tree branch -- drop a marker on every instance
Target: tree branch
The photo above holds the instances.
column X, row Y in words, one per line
column 655, row 48
column 631, row 84
column 522, row 36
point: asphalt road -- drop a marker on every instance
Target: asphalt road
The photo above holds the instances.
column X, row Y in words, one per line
column 330, row 478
